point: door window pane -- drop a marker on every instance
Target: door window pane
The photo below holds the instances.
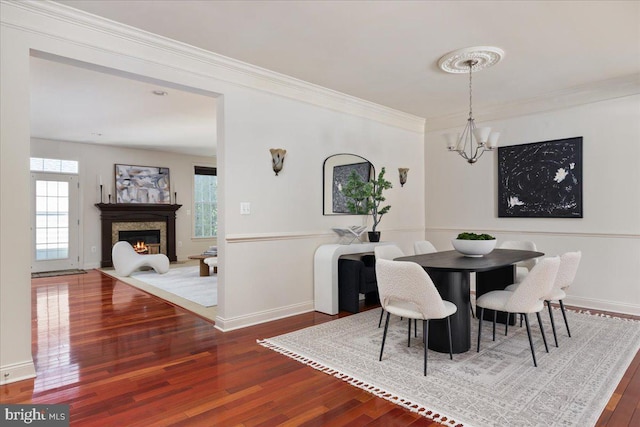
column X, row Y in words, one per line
column 52, row 220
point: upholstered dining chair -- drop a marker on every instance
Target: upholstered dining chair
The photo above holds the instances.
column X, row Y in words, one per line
column 389, row 252
column 525, row 299
column 522, row 267
column 569, row 263
column 424, row 247
column 406, row 290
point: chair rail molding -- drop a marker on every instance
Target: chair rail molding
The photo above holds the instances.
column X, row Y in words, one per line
column 273, row 236
column 542, row 233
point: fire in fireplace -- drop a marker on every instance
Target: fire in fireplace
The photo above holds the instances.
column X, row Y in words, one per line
column 143, row 241
column 140, row 247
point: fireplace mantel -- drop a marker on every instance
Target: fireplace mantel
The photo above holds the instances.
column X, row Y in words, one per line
column 136, row 212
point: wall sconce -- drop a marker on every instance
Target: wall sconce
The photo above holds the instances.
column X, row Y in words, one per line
column 403, row 175
column 277, row 158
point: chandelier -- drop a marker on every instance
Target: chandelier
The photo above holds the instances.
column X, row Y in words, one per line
column 473, row 141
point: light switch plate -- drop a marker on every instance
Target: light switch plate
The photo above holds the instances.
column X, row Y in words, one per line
column 245, row 208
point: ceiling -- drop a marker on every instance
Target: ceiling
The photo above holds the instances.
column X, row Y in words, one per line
column 78, row 103
column 386, row 51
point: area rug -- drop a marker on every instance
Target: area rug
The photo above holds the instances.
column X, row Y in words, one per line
column 183, row 287
column 185, row 282
column 499, row 386
column 57, row 273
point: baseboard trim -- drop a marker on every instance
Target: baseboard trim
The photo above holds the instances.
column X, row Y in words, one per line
column 91, row 265
column 603, row 305
column 239, row 322
column 17, row 372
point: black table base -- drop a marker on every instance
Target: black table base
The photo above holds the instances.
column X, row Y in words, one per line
column 453, row 286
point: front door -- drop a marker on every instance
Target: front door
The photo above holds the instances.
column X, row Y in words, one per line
column 55, row 222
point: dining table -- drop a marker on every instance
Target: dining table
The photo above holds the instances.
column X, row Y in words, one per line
column 451, row 271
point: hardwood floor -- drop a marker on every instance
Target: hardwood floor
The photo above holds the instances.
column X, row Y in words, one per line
column 120, row 357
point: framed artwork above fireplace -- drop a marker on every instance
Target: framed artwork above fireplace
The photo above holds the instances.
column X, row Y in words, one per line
column 142, row 184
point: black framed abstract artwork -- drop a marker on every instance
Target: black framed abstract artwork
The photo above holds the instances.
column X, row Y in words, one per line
column 541, row 179
column 341, row 176
column 142, row 184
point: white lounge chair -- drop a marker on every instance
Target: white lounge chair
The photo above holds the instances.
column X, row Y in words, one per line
column 126, row 260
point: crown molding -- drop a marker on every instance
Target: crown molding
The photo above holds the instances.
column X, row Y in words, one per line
column 224, row 68
column 572, row 97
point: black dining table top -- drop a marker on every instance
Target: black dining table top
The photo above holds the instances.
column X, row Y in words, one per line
column 455, row 261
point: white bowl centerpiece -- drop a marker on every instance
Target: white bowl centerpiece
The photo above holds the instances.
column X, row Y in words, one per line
column 474, row 245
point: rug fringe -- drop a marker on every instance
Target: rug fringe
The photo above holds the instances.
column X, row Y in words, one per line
column 377, row 391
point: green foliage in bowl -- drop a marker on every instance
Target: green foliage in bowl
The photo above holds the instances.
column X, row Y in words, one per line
column 474, row 236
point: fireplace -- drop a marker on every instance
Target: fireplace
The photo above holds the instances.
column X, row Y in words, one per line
column 143, row 241
column 135, row 218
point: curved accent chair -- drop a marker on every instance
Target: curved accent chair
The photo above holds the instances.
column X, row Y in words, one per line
column 569, row 263
column 424, row 247
column 126, row 260
column 522, row 267
column 527, row 298
column 406, row 290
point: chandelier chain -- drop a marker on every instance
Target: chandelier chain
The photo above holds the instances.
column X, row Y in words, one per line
column 470, row 89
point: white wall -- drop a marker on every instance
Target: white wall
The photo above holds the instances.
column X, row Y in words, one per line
column 15, row 289
column 98, row 161
column 265, row 262
column 609, row 233
column 270, row 252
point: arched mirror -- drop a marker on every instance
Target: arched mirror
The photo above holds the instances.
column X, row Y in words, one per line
column 335, row 172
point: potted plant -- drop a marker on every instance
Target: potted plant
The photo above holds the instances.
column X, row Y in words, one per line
column 474, row 245
column 365, row 198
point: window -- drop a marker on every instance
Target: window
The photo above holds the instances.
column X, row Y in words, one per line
column 205, row 201
column 53, row 165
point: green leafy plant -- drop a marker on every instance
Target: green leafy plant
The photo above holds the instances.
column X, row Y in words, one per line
column 365, row 198
column 474, row 236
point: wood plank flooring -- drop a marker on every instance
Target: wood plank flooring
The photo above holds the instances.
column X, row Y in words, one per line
column 121, row 357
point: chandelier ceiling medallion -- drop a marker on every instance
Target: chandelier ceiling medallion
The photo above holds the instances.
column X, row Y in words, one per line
column 473, row 141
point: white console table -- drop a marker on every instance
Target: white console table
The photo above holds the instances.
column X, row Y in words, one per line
column 325, row 272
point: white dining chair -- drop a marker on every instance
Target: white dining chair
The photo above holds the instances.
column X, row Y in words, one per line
column 522, row 267
column 424, row 247
column 388, row 252
column 406, row 290
column 525, row 299
column 569, row 263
